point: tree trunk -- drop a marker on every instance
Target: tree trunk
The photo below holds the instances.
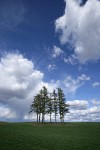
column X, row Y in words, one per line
column 50, row 117
column 55, row 117
column 60, row 119
column 63, row 117
column 42, row 118
column 37, row 117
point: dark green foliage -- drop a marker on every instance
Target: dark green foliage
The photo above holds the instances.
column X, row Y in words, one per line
column 47, row 103
column 44, row 101
column 36, row 106
column 33, row 136
column 49, row 107
column 55, row 100
column 63, row 107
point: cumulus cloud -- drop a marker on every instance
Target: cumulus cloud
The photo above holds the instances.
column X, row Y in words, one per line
column 78, row 104
column 56, row 52
column 80, row 110
column 95, row 84
column 6, row 112
column 82, row 25
column 95, row 102
column 19, row 82
column 73, row 84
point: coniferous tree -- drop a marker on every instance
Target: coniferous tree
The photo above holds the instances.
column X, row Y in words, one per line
column 43, row 104
column 39, row 104
column 39, row 107
column 63, row 107
column 50, row 107
column 44, row 99
column 55, row 104
column 35, row 106
column 60, row 103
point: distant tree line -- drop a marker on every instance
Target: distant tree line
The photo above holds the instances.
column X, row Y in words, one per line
column 48, row 103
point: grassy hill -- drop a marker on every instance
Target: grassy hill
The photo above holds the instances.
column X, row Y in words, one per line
column 32, row 136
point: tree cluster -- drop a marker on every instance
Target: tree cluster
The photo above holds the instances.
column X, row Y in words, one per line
column 48, row 103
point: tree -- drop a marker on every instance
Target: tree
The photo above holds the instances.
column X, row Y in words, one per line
column 50, row 106
column 39, row 106
column 44, row 99
column 63, row 107
column 35, row 106
column 55, row 103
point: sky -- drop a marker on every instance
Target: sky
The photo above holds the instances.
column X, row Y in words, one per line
column 52, row 43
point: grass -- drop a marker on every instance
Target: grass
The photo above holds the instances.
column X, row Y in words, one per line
column 30, row 136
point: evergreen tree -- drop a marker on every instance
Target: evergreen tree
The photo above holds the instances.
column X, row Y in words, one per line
column 63, row 107
column 35, row 106
column 44, row 99
column 39, row 107
column 50, row 106
column 55, row 103
column 43, row 104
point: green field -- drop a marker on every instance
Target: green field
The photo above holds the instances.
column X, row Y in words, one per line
column 30, row 136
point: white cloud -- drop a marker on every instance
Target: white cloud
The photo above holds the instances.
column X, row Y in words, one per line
column 95, row 84
column 94, row 110
column 56, row 52
column 83, row 77
column 83, row 24
column 73, row 84
column 52, row 67
column 80, row 110
column 49, row 85
column 18, row 73
column 78, row 104
column 6, row 112
column 71, row 59
column 19, row 82
column 95, row 102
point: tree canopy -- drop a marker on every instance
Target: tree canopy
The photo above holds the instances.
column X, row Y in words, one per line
column 49, row 103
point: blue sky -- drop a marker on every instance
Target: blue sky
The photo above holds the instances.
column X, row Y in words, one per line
column 52, row 43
